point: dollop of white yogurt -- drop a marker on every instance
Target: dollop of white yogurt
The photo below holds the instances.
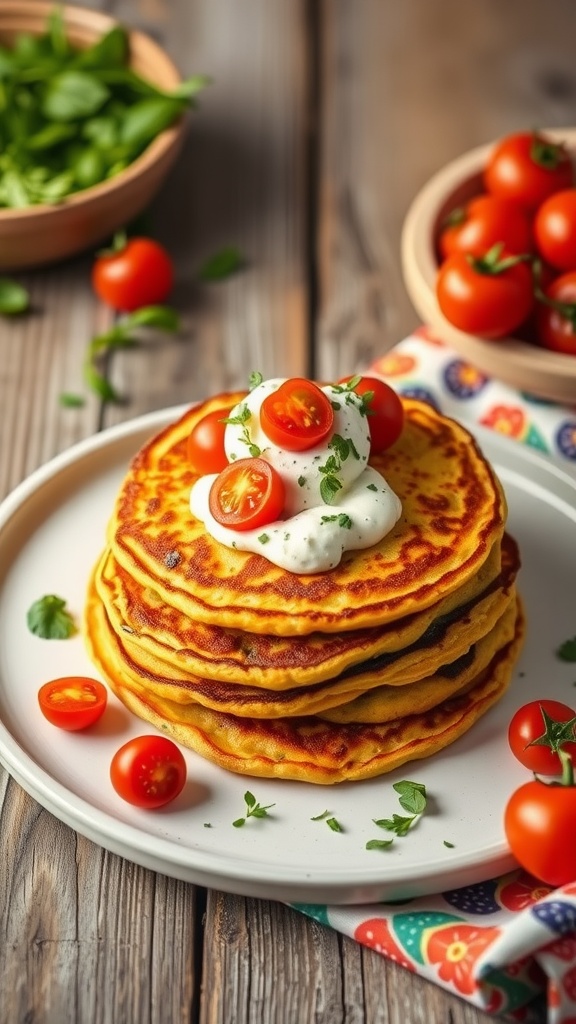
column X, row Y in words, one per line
column 312, row 536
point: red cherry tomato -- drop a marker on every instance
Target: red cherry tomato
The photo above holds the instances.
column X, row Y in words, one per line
column 528, row 167
column 297, row 416
column 206, row 442
column 483, row 222
column 540, row 826
column 247, row 494
column 385, row 412
column 139, row 274
column 148, row 771
column 487, row 297
column 555, row 229
column 73, row 702
column 541, row 720
column 556, row 322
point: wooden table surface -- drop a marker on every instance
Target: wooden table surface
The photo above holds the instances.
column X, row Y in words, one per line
column 323, row 120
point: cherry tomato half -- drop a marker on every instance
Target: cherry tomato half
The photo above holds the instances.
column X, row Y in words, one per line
column 487, row 297
column 555, row 229
column 148, row 771
column 247, row 494
column 139, row 274
column 385, row 412
column 297, row 416
column 532, row 730
column 206, row 442
column 540, row 826
column 73, row 702
column 556, row 323
column 484, row 221
column 528, row 167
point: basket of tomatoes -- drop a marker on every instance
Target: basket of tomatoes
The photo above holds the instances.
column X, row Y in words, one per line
column 489, row 260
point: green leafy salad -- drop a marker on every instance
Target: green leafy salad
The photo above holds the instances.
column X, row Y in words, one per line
column 71, row 118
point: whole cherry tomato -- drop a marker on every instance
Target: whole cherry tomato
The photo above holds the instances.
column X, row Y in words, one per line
column 481, row 223
column 247, row 494
column 73, row 702
column 384, row 408
column 206, row 442
column 556, row 315
column 540, row 826
column 555, row 229
column 535, row 732
column 297, row 416
column 137, row 273
column 148, row 771
column 528, row 167
column 489, row 296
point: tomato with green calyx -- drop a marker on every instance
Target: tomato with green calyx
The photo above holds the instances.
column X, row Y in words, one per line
column 540, row 826
column 205, row 444
column 482, row 223
column 555, row 229
column 297, row 416
column 538, row 730
column 135, row 272
column 148, row 771
column 527, row 167
column 384, row 410
column 490, row 296
column 556, row 314
column 73, row 702
column 247, row 494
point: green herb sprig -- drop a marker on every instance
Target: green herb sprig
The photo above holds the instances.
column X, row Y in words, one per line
column 342, row 448
column 241, row 419
column 412, row 798
column 121, row 335
column 253, row 810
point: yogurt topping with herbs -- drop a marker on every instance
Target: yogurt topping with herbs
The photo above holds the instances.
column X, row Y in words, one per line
column 314, row 532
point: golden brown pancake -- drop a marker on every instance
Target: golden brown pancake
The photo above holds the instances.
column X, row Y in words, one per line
column 453, row 512
column 213, row 652
column 308, row 748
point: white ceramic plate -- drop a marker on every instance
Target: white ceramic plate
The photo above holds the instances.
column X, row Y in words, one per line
column 51, row 532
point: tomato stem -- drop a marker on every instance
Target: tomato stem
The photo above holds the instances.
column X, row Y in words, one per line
column 567, row 768
column 493, row 263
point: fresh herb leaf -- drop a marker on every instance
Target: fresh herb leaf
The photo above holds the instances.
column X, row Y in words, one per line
column 264, row 538
column 341, row 518
column 48, row 618
column 222, row 264
column 253, row 810
column 120, row 336
column 567, row 650
column 241, row 419
column 379, row 844
column 255, row 379
column 334, row 824
column 397, row 824
column 13, row 297
column 321, row 817
column 69, row 401
column 412, row 796
column 371, row 487
column 448, row 844
column 301, row 481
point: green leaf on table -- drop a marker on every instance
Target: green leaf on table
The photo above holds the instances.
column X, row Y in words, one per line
column 48, row 618
column 98, row 383
column 13, row 297
column 68, row 400
column 412, row 796
column 151, row 316
column 222, row 264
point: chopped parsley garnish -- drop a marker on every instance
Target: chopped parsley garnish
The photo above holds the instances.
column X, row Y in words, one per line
column 255, row 379
column 371, row 487
column 241, row 420
column 347, row 389
column 412, row 798
column 320, row 817
column 264, row 538
column 342, row 447
column 301, row 481
column 379, row 844
column 567, row 650
column 253, row 810
column 449, row 845
column 334, row 824
column 49, row 619
column 342, row 519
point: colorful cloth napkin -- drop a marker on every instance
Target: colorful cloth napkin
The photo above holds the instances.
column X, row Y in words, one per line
column 507, row 945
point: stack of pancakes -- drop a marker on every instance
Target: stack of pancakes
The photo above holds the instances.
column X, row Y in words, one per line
column 324, row 677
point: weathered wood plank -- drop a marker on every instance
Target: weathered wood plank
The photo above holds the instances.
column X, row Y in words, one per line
column 407, row 87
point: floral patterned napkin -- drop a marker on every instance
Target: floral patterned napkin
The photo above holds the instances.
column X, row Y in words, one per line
column 507, row 945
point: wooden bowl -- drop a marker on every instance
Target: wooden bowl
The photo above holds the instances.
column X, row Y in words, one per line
column 526, row 366
column 42, row 234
